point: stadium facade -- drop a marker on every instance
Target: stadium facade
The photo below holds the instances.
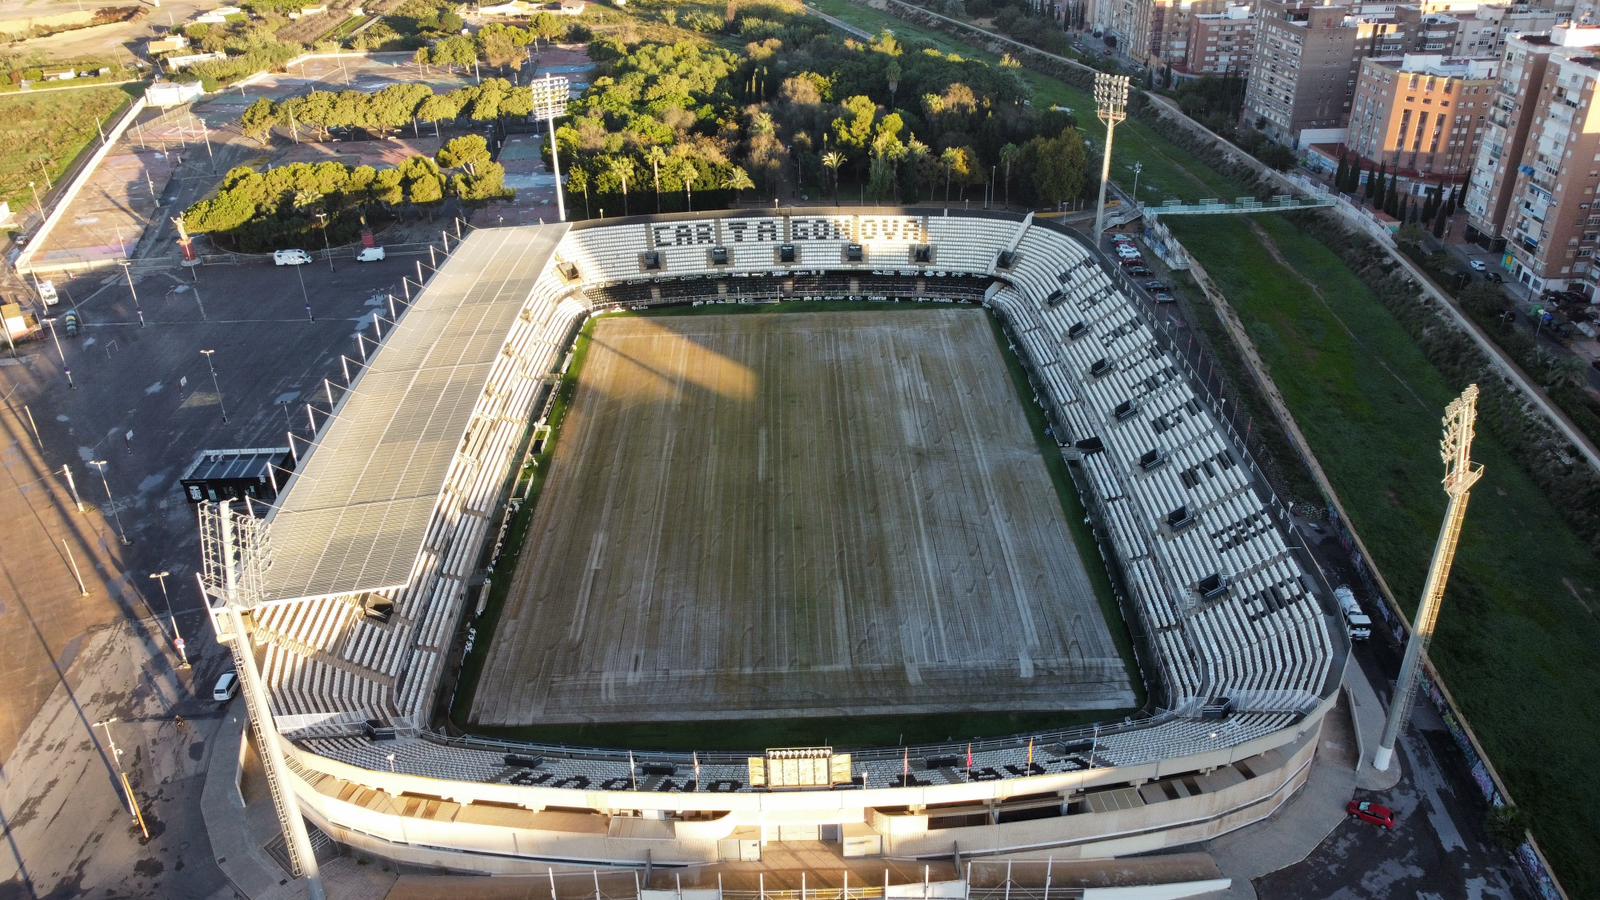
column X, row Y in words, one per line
column 353, row 588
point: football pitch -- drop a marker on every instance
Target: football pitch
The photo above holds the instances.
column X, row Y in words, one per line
column 811, row 514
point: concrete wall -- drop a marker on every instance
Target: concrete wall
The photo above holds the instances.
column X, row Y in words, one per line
column 415, row 830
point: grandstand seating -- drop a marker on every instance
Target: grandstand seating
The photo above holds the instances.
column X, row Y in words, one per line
column 1100, row 366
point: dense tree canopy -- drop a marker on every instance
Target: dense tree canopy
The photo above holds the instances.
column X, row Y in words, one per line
column 799, row 108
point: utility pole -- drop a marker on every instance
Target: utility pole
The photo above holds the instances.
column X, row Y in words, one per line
column 326, row 243
column 1460, row 474
column 1111, row 105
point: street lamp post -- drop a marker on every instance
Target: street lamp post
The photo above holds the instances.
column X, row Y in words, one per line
column 214, row 385
column 1111, row 105
column 1138, row 168
column 66, row 369
column 326, row 243
column 128, row 272
column 305, row 296
column 122, row 776
column 166, row 600
column 36, row 201
column 111, row 501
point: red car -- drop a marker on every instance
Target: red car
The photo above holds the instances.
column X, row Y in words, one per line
column 1367, row 811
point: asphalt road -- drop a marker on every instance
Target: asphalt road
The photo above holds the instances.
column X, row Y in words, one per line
column 77, row 660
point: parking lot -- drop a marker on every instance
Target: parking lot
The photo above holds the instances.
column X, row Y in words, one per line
column 144, row 405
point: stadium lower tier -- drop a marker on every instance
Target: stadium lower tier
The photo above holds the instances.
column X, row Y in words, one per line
column 354, row 591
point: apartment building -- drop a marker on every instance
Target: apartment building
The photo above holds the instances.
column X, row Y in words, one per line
column 1302, row 69
column 1221, row 43
column 1538, row 165
column 1483, row 32
column 1419, row 114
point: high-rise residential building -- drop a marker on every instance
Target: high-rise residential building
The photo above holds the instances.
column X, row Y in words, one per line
column 1307, row 55
column 1419, row 114
column 1220, row 43
column 1482, row 32
column 1538, row 165
column 1302, row 70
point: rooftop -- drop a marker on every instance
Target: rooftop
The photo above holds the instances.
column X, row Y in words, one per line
column 354, row 515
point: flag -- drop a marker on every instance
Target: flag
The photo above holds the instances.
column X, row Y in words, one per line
column 697, row 770
column 1030, row 753
column 632, row 770
column 905, row 769
column 969, row 755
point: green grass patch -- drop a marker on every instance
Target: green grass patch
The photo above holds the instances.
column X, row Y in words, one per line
column 47, row 131
column 1516, row 640
column 756, row 733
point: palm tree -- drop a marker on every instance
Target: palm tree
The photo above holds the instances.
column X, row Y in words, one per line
column 657, row 156
column 1008, row 155
column 620, row 168
column 688, row 172
column 738, row 181
column 949, row 157
column 831, row 161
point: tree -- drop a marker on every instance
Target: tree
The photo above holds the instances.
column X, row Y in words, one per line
column 621, row 168
column 1057, row 168
column 1342, row 172
column 656, row 156
column 258, row 120
column 687, row 172
column 738, row 181
column 455, row 51
column 467, row 152
column 1008, row 155
column 831, row 161
column 853, row 130
column 420, row 59
column 950, row 158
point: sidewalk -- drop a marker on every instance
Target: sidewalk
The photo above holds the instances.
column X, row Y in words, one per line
column 1342, row 766
column 240, row 832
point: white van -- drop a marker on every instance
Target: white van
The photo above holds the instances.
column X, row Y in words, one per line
column 226, row 687
column 47, row 293
column 370, row 254
column 290, row 257
column 1355, row 621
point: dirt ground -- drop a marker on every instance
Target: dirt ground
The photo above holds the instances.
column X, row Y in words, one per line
column 831, row 513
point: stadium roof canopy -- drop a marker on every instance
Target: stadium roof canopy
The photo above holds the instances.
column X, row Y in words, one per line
column 354, row 515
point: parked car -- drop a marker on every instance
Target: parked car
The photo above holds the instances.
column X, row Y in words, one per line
column 290, row 257
column 1155, row 285
column 47, row 293
column 1164, row 297
column 1122, row 239
column 1367, row 811
column 1139, row 271
column 1478, row 265
column 226, row 687
column 1496, row 278
column 370, row 254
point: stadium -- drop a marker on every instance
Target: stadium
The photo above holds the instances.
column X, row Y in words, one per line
column 767, row 517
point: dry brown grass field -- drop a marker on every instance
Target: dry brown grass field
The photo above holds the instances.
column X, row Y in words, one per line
column 833, row 513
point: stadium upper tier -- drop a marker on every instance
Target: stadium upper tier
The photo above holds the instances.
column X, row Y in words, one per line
column 367, row 564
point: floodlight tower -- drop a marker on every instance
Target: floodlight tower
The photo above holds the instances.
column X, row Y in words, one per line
column 234, row 551
column 1111, row 105
column 1460, row 474
column 550, row 103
